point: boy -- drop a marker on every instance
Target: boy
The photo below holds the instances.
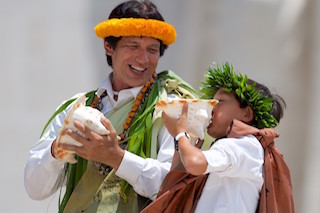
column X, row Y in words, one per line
column 230, row 175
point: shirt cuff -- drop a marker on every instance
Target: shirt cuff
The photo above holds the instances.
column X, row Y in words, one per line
column 130, row 167
column 50, row 162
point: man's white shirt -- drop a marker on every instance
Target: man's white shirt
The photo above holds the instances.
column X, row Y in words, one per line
column 44, row 174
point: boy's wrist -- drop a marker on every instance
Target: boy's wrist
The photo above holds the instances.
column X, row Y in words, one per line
column 177, row 137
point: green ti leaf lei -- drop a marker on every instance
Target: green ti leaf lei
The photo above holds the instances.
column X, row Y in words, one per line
column 224, row 77
column 139, row 140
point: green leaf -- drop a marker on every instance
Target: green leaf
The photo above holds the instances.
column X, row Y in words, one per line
column 69, row 188
column 148, row 135
column 60, row 109
column 224, row 77
column 64, row 106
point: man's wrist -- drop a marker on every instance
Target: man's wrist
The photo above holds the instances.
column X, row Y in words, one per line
column 177, row 137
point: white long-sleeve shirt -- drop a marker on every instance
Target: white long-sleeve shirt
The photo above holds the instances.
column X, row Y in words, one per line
column 44, row 174
column 235, row 176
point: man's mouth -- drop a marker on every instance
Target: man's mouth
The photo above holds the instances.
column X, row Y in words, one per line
column 137, row 68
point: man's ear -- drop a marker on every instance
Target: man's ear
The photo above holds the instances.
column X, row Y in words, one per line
column 248, row 115
column 108, row 48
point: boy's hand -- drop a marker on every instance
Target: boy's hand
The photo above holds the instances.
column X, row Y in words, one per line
column 175, row 126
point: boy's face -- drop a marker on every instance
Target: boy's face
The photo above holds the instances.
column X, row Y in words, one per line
column 224, row 112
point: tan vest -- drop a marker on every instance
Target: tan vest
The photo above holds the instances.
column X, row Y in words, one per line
column 99, row 193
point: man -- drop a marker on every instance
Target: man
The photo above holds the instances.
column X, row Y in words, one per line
column 135, row 36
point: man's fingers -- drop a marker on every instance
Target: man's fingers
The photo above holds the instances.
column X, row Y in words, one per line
column 86, row 131
column 107, row 123
column 70, row 147
column 79, row 150
column 81, row 127
column 75, row 136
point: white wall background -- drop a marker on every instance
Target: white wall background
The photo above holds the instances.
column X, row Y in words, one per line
column 49, row 52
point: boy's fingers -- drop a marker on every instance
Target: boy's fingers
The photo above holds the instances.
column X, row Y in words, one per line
column 166, row 118
column 199, row 143
column 184, row 109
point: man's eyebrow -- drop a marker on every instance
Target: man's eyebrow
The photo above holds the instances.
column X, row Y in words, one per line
column 131, row 42
column 155, row 45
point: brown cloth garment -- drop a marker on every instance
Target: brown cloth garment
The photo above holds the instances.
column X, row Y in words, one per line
column 276, row 193
column 181, row 191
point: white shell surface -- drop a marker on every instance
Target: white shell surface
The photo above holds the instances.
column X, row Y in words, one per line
column 199, row 113
column 87, row 115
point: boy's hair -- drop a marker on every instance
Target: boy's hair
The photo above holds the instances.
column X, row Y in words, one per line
column 267, row 107
column 278, row 103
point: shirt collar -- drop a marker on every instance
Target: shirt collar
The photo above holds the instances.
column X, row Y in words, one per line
column 106, row 85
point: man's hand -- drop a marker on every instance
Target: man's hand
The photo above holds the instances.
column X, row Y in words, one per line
column 99, row 148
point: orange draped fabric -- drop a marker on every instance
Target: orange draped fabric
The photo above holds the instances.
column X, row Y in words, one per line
column 181, row 191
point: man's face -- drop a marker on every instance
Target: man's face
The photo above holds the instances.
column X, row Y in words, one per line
column 134, row 60
column 224, row 112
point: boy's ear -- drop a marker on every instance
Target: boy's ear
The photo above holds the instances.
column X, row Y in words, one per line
column 248, row 115
column 108, row 48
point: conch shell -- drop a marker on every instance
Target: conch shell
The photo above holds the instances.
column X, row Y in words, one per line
column 87, row 115
column 199, row 113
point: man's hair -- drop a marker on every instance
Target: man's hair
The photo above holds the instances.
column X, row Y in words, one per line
column 134, row 9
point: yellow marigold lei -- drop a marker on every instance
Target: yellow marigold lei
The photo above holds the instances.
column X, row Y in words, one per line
column 137, row 27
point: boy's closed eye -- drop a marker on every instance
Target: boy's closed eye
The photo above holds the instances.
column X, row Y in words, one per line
column 221, row 101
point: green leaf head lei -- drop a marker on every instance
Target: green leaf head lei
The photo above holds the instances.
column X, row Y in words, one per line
column 224, row 77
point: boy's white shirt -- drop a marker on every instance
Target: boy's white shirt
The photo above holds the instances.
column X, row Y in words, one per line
column 235, row 176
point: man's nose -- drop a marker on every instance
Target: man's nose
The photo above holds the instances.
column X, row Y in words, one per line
column 143, row 56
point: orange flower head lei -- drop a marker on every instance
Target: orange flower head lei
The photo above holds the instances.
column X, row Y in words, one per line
column 137, row 27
